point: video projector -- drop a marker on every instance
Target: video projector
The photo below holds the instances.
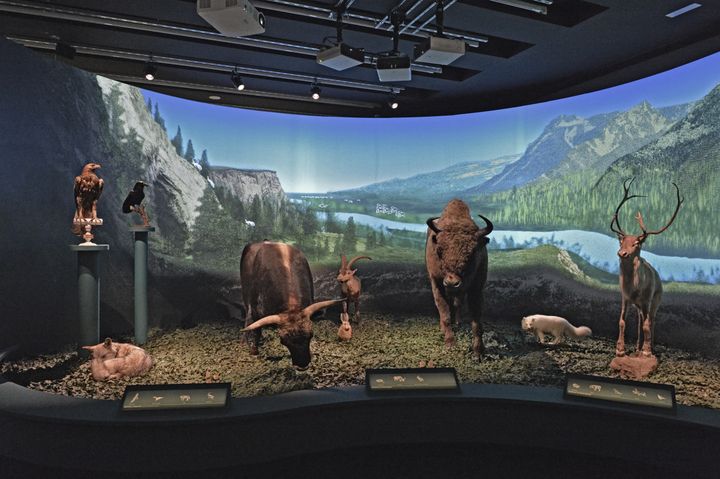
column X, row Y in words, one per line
column 232, row 18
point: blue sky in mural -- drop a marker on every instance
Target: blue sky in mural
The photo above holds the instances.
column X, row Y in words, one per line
column 318, row 154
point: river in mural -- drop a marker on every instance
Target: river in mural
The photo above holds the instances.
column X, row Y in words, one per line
column 597, row 249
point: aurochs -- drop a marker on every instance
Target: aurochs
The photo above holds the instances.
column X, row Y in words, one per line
column 457, row 263
column 277, row 290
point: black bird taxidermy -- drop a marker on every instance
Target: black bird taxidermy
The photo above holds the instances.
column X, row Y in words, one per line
column 134, row 200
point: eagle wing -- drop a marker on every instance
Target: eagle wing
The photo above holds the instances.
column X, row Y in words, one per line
column 78, row 183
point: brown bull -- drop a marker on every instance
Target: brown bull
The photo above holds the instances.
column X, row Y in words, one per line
column 277, row 289
column 457, row 263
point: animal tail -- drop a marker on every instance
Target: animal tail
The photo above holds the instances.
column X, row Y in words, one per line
column 580, row 331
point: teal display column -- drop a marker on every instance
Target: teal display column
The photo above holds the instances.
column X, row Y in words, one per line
column 140, row 234
column 89, row 292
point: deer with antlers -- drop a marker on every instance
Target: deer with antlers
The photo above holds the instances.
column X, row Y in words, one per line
column 640, row 284
column 350, row 284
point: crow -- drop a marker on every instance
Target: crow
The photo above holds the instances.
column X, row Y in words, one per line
column 134, row 199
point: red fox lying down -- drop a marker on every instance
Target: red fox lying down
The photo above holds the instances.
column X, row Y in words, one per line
column 116, row 360
column 555, row 325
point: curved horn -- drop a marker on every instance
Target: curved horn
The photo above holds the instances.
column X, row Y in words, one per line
column 431, row 224
column 639, row 217
column 310, row 310
column 488, row 226
column 343, row 264
column 266, row 321
column 357, row 258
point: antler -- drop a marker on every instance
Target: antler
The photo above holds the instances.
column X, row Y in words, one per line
column 357, row 258
column 488, row 226
column 615, row 220
column 431, row 224
column 639, row 217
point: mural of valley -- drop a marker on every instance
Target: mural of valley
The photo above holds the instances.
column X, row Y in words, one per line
column 551, row 197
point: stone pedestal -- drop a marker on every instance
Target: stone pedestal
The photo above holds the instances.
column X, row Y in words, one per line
column 88, row 278
column 140, row 235
column 634, row 366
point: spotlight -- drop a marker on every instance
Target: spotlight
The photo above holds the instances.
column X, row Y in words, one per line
column 237, row 81
column 150, row 70
column 315, row 92
column 393, row 103
column 65, row 50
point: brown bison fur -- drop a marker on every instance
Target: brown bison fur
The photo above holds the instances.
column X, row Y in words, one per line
column 456, row 260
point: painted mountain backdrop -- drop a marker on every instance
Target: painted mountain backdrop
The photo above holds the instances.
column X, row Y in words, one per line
column 584, row 197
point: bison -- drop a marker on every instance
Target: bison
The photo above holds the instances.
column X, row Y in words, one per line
column 277, row 289
column 457, row 263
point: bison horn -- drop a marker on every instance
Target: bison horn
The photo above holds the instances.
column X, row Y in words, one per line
column 431, row 224
column 266, row 321
column 310, row 310
column 352, row 261
column 488, row 228
column 343, row 264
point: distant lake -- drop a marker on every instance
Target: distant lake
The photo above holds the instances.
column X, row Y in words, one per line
column 598, row 249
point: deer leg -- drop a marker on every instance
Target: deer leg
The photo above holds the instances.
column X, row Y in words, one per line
column 649, row 326
column 640, row 319
column 620, row 345
column 444, row 310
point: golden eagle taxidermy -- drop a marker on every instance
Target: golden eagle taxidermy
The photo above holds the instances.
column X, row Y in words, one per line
column 88, row 188
column 133, row 202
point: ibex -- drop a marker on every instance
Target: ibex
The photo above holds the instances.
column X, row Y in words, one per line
column 639, row 282
column 350, row 284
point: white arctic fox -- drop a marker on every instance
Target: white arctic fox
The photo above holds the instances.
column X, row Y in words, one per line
column 555, row 325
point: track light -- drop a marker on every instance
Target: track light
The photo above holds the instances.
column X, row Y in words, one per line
column 150, row 70
column 393, row 102
column 237, row 80
column 65, row 50
column 315, row 92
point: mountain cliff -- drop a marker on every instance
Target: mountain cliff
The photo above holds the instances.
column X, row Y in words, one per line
column 558, row 138
column 54, row 120
column 686, row 153
column 625, row 133
column 448, row 181
column 245, row 184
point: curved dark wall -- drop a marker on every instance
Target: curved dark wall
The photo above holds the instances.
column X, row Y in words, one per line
column 44, row 144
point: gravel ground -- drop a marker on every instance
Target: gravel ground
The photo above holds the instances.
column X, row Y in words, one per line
column 214, row 352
